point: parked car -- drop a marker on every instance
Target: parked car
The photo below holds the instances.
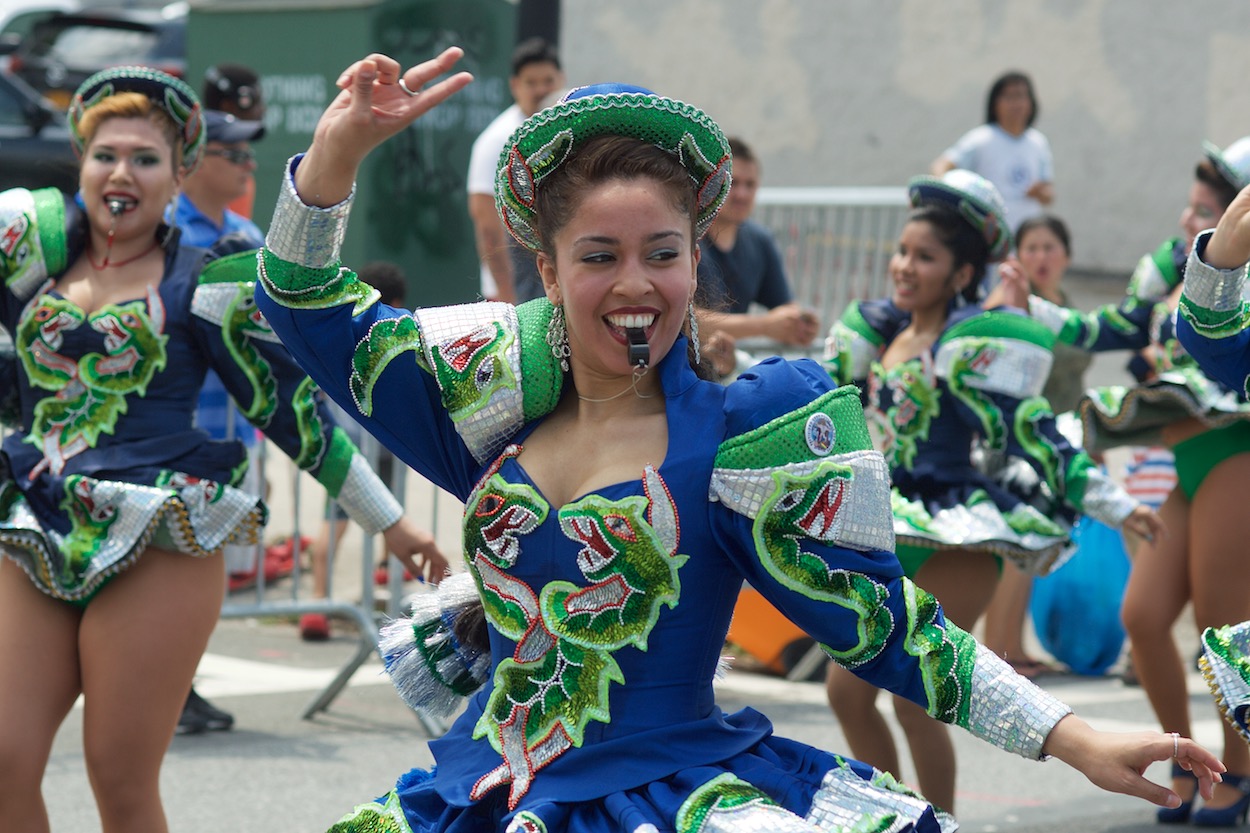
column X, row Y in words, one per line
column 18, row 16
column 35, row 149
column 61, row 52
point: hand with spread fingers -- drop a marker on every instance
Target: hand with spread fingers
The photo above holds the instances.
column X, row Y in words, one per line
column 377, row 99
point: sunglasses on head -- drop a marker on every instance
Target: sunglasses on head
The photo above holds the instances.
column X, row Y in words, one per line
column 234, row 155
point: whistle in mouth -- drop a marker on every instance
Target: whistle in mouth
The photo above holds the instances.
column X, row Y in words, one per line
column 116, row 207
column 639, row 350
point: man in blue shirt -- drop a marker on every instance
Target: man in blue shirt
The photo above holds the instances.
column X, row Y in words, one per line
column 222, row 176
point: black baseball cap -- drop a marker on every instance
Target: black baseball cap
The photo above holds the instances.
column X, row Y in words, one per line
column 227, row 129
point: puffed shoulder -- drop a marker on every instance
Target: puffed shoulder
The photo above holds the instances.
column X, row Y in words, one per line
column 879, row 320
column 41, row 234
column 1001, row 350
column 771, row 389
column 1157, row 273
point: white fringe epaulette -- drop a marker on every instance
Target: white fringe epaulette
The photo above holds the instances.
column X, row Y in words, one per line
column 428, row 666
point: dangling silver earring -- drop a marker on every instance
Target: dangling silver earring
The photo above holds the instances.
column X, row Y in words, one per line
column 694, row 333
column 558, row 337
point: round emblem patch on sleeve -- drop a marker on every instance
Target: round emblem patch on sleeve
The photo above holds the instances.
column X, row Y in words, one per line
column 819, row 433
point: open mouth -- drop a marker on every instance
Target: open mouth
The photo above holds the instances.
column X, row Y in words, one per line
column 618, row 324
column 120, row 203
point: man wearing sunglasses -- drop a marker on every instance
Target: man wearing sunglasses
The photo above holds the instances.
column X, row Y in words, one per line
column 222, row 176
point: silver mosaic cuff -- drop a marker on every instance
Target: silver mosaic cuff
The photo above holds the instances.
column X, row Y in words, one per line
column 1009, row 711
column 1105, row 501
column 1014, row 368
column 366, row 499
column 1048, row 313
column 1217, row 290
column 304, row 234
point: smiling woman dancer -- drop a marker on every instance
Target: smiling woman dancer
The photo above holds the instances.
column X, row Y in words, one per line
column 113, row 507
column 945, row 381
column 585, row 447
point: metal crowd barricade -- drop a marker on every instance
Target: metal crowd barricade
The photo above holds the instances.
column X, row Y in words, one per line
column 836, row 245
column 835, row 242
column 288, row 599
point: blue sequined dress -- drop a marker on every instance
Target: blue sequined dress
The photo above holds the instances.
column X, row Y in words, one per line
column 976, row 457
column 104, row 458
column 607, row 615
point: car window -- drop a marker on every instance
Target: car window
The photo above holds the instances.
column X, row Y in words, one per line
column 96, row 46
column 11, row 114
column 22, row 22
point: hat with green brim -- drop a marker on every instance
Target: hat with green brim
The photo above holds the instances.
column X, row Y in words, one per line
column 550, row 137
column 972, row 197
column 1232, row 163
column 170, row 94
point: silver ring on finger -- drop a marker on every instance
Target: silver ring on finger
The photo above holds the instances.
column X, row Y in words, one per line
column 403, row 85
column 1176, row 743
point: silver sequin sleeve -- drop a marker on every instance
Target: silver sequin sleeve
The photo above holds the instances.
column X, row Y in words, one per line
column 1216, row 290
column 366, row 499
column 304, row 234
column 1104, row 500
column 1009, row 711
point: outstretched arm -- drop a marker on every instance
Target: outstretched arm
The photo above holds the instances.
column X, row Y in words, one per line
column 1115, row 761
column 371, row 107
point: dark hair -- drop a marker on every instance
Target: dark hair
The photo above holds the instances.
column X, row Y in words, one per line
column 741, row 150
column 965, row 242
column 1046, row 221
column 534, row 51
column 1001, row 83
column 602, row 159
column 231, row 84
column 387, row 278
column 1206, row 173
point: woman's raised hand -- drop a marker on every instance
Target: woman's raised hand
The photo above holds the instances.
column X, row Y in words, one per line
column 1229, row 247
column 377, row 99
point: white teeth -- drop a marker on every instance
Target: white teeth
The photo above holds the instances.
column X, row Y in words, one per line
column 627, row 321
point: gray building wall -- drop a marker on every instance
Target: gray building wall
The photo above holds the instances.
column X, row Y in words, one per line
column 869, row 92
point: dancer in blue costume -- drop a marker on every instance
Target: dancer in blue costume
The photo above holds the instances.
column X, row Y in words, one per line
column 1212, row 326
column 615, row 500
column 1207, row 426
column 113, row 506
column 953, row 391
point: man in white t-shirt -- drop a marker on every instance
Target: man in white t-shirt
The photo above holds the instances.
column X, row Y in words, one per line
column 508, row 275
column 1007, row 150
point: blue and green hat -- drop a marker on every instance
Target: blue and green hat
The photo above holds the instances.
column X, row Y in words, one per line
column 972, row 197
column 548, row 138
column 170, row 94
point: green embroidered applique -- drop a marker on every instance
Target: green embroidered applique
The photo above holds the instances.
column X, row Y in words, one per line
column 375, row 818
column 557, row 680
column 968, row 365
column 471, row 368
column 808, row 507
column 945, row 656
column 915, row 403
column 89, row 395
column 726, row 795
column 242, row 322
column 1030, row 413
column 387, row 339
column 303, row 287
column 90, row 520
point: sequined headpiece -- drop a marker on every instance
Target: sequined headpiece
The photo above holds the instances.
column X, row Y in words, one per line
column 972, row 197
column 549, row 137
column 171, row 95
column 1233, row 162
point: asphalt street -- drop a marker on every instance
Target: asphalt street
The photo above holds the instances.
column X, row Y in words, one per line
column 276, row 772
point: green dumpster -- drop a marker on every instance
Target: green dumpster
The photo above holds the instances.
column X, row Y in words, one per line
column 410, row 201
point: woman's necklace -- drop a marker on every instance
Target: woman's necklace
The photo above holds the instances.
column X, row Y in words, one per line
column 107, row 265
column 633, row 385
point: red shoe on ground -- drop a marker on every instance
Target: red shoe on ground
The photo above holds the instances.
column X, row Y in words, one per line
column 314, row 627
column 382, row 575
